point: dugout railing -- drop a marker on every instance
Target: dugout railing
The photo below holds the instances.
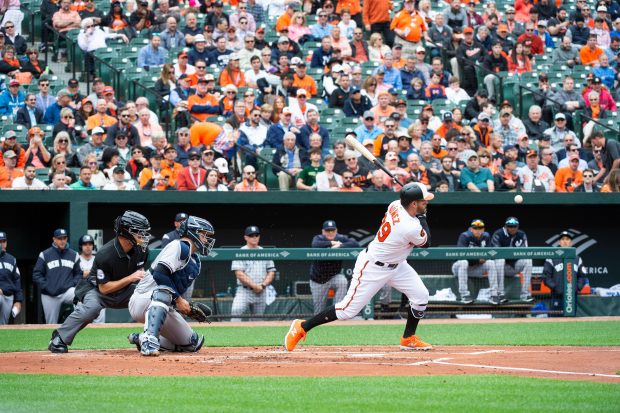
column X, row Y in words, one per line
column 217, row 284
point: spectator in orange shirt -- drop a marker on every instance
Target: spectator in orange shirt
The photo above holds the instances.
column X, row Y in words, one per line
column 8, row 172
column 376, row 18
column 100, row 118
column 284, row 21
column 169, row 164
column 250, row 183
column 447, row 125
column 569, row 177
column 383, row 109
column 438, row 151
column 232, row 73
column 301, row 79
column 590, row 53
column 202, row 104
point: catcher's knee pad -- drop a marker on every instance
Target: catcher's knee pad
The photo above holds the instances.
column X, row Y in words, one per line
column 157, row 311
column 194, row 346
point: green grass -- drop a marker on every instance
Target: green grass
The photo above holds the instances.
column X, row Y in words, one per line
column 596, row 333
column 49, row 394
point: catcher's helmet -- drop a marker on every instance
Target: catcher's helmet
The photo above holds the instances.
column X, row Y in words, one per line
column 134, row 227
column 414, row 191
column 200, row 231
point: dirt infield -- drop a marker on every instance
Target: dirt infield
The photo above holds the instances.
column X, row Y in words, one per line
column 566, row 363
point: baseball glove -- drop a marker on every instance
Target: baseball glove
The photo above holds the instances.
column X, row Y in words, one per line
column 199, row 312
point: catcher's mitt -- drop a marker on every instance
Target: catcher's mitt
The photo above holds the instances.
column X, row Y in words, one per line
column 199, row 312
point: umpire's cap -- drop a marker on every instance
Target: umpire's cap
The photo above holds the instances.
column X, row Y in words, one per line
column 562, row 235
column 414, row 191
column 2, row 236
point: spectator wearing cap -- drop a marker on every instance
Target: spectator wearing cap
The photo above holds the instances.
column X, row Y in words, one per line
column 301, row 78
column 435, row 90
column 151, row 176
column 474, row 178
column 247, row 52
column 603, row 39
column 544, row 34
column 569, row 177
column 95, row 146
column 474, row 106
column 368, row 128
column 579, row 32
column 143, row 17
column 183, row 146
column 192, row 176
column 557, row 133
column 537, row 46
column 182, row 67
column 356, row 103
column 468, row 53
column 341, row 93
column 474, row 19
column 494, row 63
column 153, row 54
column 504, row 38
column 289, row 18
column 118, row 181
column 609, row 152
column 276, row 132
column 8, row 170
column 507, row 179
column 232, row 74
column 606, row 101
column 137, row 162
column 11, row 99
column 202, row 104
column 535, row 177
column 162, row 14
column 199, row 51
column 56, row 273
column 217, row 14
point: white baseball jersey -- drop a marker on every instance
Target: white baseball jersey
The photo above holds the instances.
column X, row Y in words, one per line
column 183, row 266
column 398, row 234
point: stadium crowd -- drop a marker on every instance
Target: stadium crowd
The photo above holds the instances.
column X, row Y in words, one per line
column 250, row 91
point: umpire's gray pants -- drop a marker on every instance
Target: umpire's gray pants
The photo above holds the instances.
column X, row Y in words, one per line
column 174, row 331
column 6, row 305
column 51, row 304
column 88, row 310
column 521, row 266
column 463, row 270
column 247, row 300
column 319, row 291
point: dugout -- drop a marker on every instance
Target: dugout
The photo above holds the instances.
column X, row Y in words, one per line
column 290, row 220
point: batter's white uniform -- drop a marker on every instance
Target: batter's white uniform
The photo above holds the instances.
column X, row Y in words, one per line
column 385, row 262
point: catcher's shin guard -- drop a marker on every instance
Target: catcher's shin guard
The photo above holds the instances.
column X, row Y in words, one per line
column 194, row 346
column 155, row 317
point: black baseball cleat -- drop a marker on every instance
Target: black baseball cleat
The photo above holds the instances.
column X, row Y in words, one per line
column 494, row 300
column 502, row 299
column 56, row 344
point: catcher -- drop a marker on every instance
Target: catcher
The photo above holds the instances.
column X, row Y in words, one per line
column 158, row 297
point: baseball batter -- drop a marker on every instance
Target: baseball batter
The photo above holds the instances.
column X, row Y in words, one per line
column 384, row 262
column 158, row 299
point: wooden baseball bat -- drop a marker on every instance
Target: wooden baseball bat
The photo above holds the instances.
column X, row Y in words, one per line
column 353, row 142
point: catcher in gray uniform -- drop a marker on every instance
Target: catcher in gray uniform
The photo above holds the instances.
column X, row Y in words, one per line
column 158, row 299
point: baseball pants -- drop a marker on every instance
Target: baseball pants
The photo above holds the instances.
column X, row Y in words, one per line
column 320, row 291
column 174, row 331
column 521, row 266
column 88, row 310
column 463, row 270
column 246, row 299
column 369, row 278
column 51, row 304
column 6, row 305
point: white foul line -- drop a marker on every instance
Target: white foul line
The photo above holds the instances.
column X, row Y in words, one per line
column 613, row 376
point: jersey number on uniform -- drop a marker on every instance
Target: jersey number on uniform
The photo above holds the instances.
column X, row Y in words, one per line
column 385, row 229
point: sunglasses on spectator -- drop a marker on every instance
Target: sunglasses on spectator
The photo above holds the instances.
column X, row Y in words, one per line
column 588, row 176
column 125, row 116
column 92, row 163
column 250, row 173
column 60, row 162
column 347, row 177
column 67, row 117
column 44, row 84
column 8, row 27
column 201, row 67
column 121, row 137
column 63, row 140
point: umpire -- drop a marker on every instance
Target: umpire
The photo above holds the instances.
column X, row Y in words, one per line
column 325, row 275
column 118, row 267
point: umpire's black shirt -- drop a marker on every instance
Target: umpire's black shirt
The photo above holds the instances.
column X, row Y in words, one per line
column 112, row 264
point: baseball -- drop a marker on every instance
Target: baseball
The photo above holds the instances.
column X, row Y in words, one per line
column 518, row 199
